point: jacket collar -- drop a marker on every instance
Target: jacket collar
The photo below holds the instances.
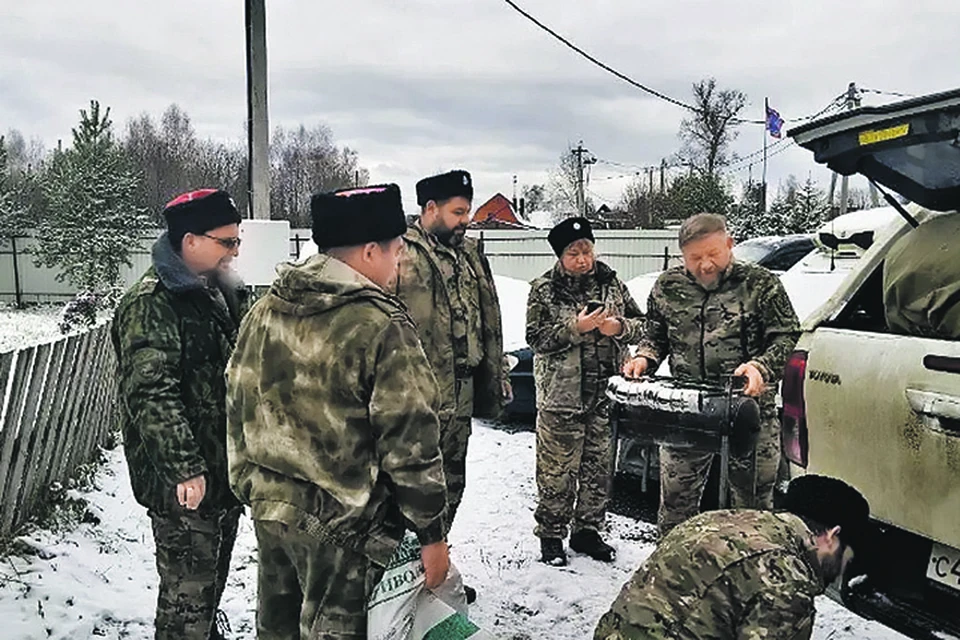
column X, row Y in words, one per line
column 171, row 269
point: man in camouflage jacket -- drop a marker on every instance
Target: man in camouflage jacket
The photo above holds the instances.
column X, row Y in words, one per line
column 333, row 437
column 714, row 318
column 575, row 351
column 173, row 333
column 446, row 283
column 744, row 574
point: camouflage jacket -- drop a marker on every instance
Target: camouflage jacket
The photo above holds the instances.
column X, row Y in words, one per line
column 745, row 575
column 708, row 334
column 173, row 336
column 570, row 368
column 428, row 296
column 331, row 413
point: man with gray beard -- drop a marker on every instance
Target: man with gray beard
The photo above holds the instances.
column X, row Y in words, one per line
column 715, row 317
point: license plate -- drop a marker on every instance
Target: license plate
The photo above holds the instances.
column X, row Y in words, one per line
column 944, row 566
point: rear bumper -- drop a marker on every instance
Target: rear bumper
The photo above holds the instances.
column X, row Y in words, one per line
column 898, row 593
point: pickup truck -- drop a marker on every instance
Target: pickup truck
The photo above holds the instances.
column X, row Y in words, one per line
column 879, row 409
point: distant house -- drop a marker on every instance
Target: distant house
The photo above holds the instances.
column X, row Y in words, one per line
column 497, row 213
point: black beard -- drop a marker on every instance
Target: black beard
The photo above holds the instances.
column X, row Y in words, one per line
column 450, row 237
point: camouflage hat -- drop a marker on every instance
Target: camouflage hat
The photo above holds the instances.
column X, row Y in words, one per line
column 830, row 502
column 350, row 217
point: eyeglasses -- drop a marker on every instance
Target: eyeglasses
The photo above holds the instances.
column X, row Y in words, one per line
column 226, row 243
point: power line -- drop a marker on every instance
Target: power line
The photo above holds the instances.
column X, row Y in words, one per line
column 610, row 69
column 597, row 62
column 887, row 93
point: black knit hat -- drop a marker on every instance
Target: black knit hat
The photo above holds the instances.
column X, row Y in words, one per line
column 445, row 186
column 568, row 232
column 350, row 217
column 831, row 502
column 199, row 211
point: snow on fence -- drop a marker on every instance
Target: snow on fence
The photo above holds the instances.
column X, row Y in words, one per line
column 58, row 402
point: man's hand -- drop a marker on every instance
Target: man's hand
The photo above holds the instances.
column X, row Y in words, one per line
column 635, row 367
column 611, row 327
column 755, row 385
column 436, row 563
column 587, row 322
column 507, row 392
column 190, row 492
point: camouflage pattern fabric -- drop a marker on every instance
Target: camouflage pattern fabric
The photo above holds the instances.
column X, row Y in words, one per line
column 573, row 471
column 173, row 333
column 332, row 424
column 454, row 438
column 193, row 559
column 921, row 281
column 571, row 369
column 451, row 296
column 684, row 472
column 707, row 335
column 309, row 589
column 724, row 575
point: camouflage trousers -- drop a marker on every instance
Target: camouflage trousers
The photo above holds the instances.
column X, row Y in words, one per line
column 683, row 475
column 193, row 559
column 454, row 437
column 308, row 589
column 573, row 471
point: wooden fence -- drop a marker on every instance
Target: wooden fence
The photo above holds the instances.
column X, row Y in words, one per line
column 58, row 402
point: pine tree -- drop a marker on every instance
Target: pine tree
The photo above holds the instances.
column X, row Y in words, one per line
column 13, row 217
column 810, row 209
column 93, row 220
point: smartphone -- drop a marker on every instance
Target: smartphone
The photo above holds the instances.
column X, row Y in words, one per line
column 593, row 305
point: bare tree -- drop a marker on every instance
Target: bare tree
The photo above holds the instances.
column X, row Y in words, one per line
column 706, row 135
column 562, row 188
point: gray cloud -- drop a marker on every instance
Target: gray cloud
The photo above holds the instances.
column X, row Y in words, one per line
column 421, row 85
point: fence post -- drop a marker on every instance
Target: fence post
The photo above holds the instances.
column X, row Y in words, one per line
column 296, row 240
column 18, row 291
column 666, row 257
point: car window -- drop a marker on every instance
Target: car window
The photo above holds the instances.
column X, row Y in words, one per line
column 750, row 252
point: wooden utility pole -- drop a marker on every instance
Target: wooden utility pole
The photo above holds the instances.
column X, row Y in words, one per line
column 258, row 124
column 852, row 102
column 582, row 161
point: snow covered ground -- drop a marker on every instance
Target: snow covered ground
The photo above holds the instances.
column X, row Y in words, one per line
column 25, row 327
column 99, row 580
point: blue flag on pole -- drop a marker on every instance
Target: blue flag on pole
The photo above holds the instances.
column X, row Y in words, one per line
column 774, row 123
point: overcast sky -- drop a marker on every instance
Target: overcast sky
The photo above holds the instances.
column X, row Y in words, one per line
column 419, row 86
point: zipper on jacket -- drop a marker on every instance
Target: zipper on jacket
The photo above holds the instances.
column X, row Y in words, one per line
column 703, row 335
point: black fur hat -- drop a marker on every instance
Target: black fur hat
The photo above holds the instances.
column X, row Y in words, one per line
column 350, row 217
column 445, row 186
column 198, row 212
column 568, row 232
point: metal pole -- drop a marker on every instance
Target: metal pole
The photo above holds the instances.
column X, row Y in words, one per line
column 258, row 125
column 766, row 108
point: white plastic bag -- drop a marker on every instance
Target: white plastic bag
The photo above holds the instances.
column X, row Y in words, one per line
column 402, row 608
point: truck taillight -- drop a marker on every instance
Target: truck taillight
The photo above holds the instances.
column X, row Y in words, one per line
column 795, row 445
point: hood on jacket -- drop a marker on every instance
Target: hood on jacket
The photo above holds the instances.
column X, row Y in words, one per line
column 320, row 284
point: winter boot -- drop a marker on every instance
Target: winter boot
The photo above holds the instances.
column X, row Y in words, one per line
column 471, row 594
column 552, row 553
column 588, row 541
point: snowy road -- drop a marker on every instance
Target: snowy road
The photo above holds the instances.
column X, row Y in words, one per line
column 99, row 581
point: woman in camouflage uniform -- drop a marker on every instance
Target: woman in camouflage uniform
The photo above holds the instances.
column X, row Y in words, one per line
column 580, row 317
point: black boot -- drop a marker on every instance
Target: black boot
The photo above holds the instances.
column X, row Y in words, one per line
column 471, row 594
column 588, row 541
column 552, row 553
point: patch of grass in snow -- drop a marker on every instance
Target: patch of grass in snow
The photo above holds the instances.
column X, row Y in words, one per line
column 60, row 508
